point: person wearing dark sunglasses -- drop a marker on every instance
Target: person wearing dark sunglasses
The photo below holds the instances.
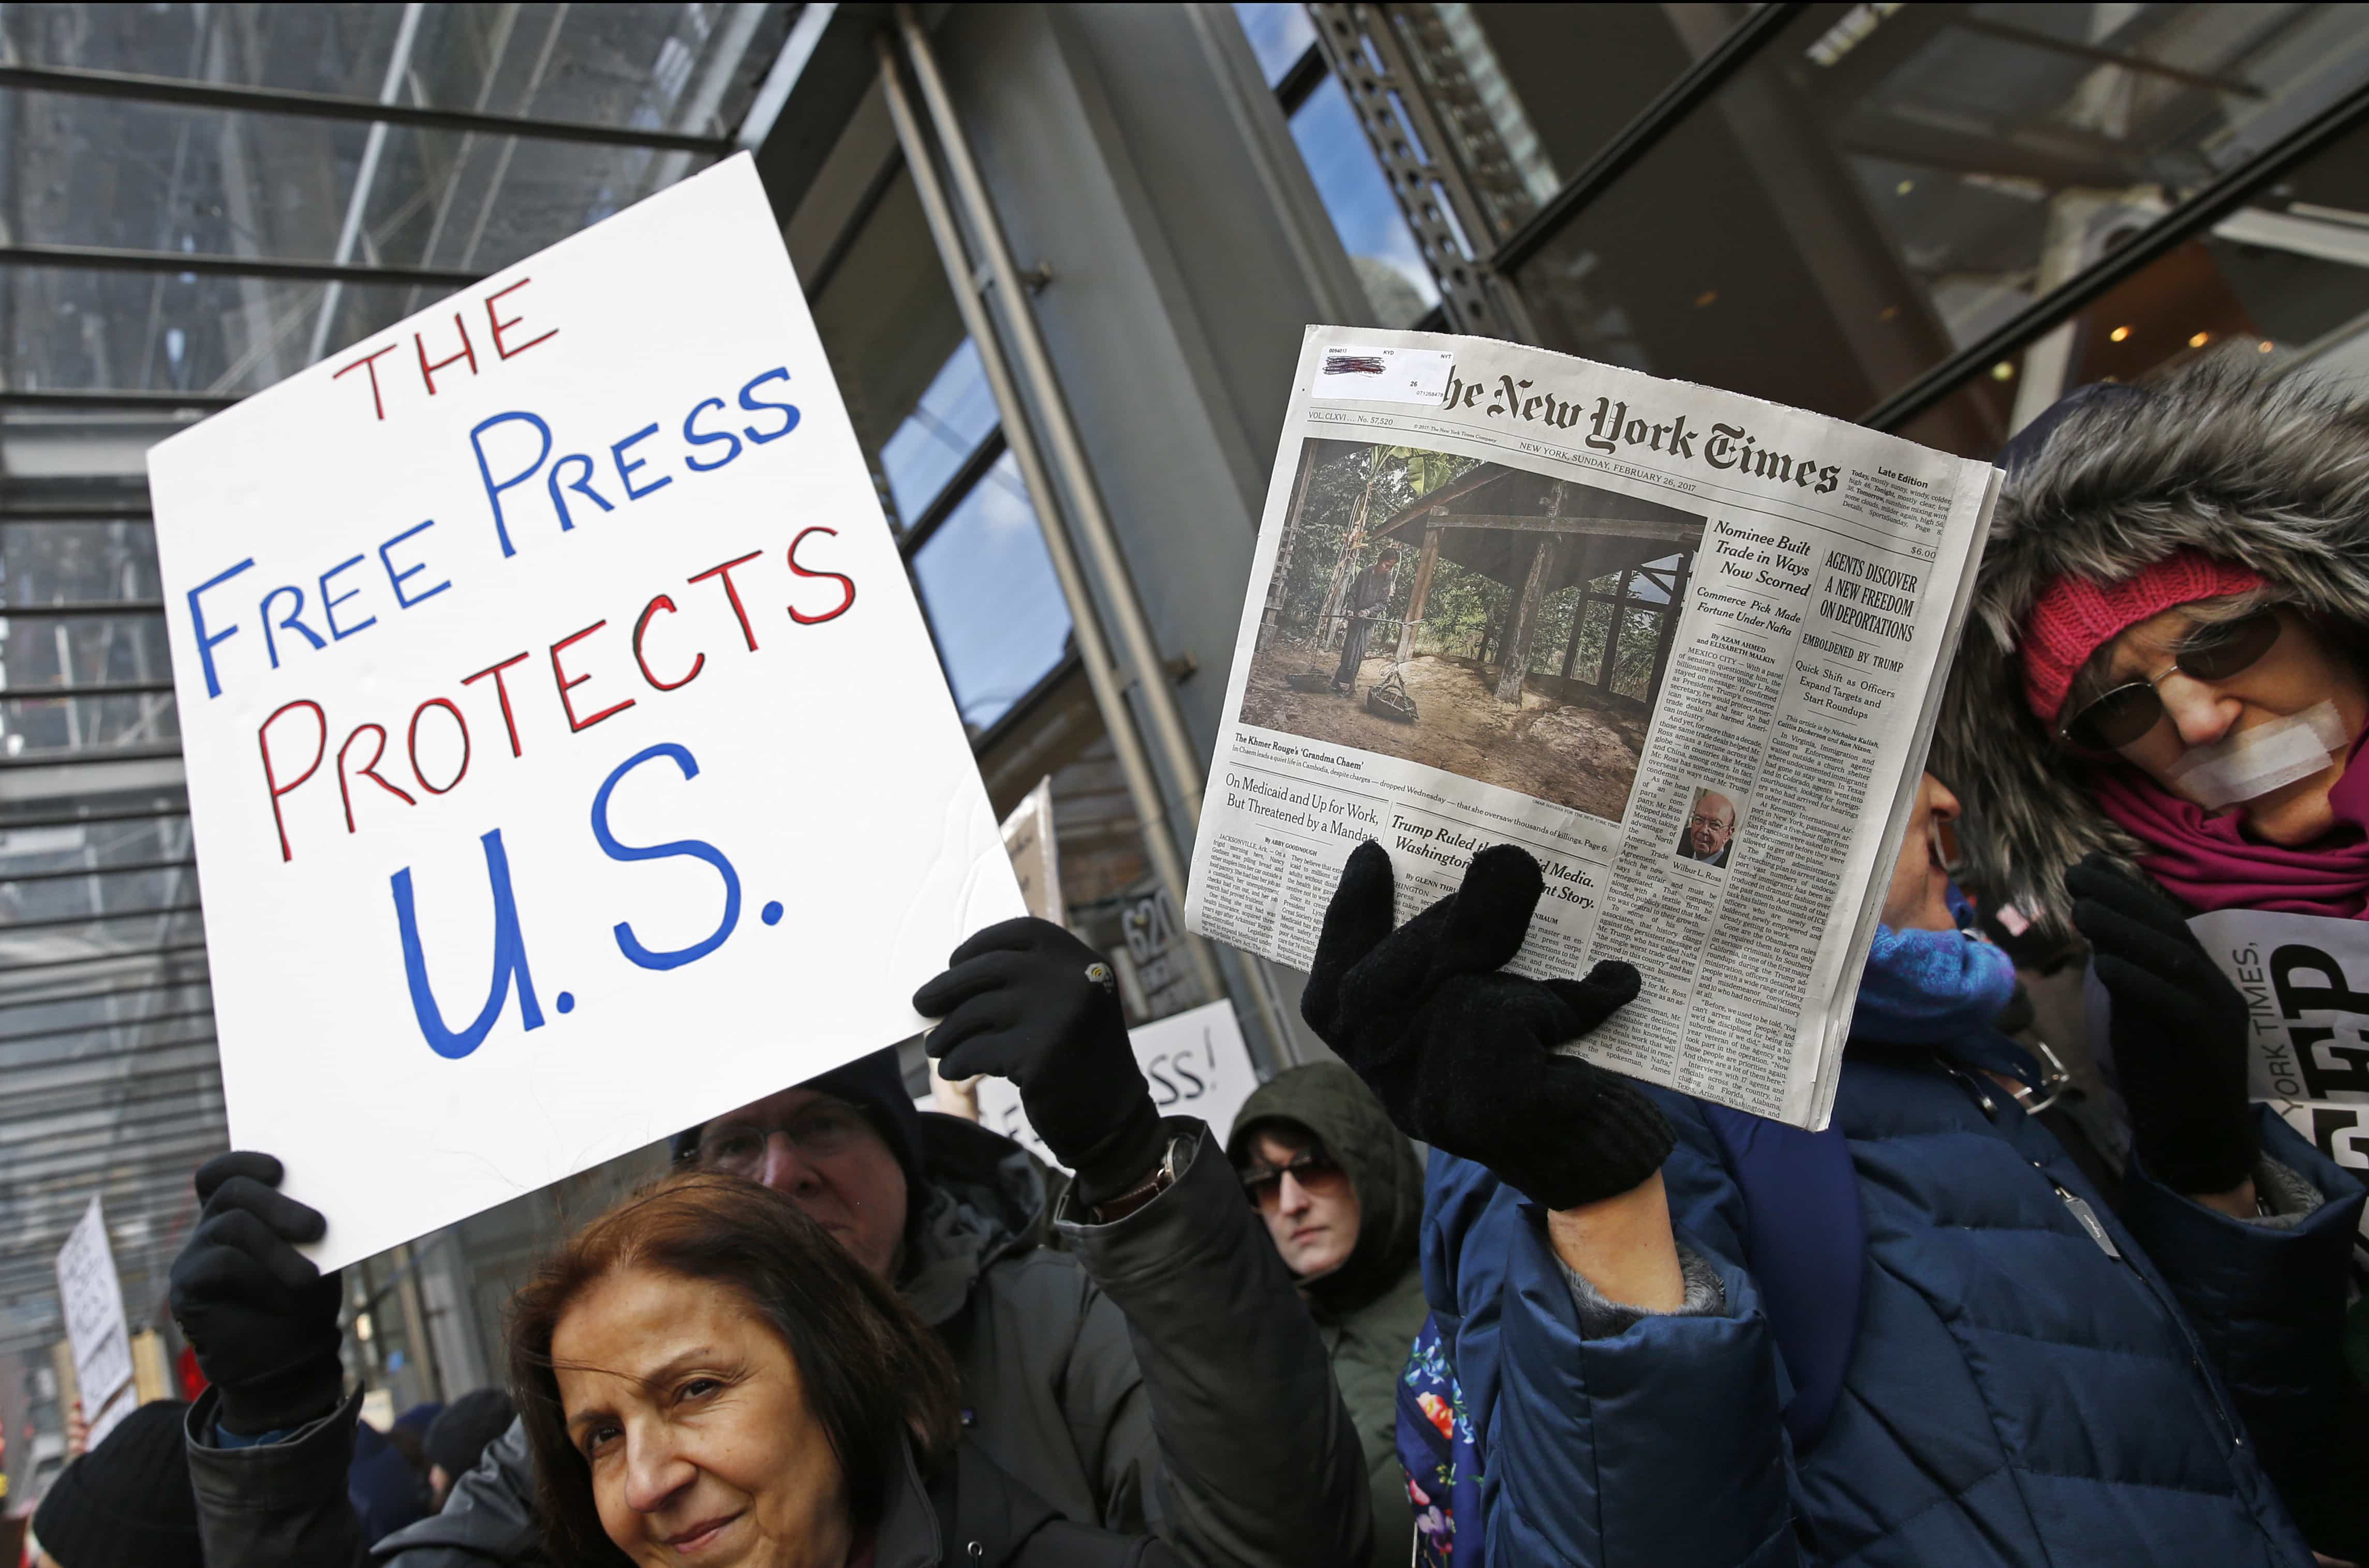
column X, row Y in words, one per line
column 1341, row 1195
column 2154, row 720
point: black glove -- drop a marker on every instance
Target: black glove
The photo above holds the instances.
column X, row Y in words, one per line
column 2179, row 1033
column 261, row 1317
column 1017, row 1000
column 1460, row 1053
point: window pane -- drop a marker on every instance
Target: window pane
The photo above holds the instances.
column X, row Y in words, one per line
column 160, row 177
column 2282, row 282
column 1500, row 78
column 1881, row 186
column 892, row 332
column 677, row 67
column 946, row 427
column 1358, row 197
column 992, row 600
column 1279, row 35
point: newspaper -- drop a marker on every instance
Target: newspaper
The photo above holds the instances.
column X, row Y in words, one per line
column 1683, row 647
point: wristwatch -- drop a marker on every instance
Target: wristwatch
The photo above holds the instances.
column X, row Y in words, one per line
column 1162, row 1177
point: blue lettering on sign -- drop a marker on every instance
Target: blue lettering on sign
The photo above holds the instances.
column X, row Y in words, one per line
column 627, row 941
column 509, row 961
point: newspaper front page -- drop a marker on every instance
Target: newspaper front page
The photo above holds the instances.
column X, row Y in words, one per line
column 1682, row 645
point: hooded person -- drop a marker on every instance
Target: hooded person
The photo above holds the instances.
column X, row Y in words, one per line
column 126, row 1503
column 459, row 1436
column 1341, row 1193
column 1666, row 1332
column 2158, row 714
column 1104, row 1380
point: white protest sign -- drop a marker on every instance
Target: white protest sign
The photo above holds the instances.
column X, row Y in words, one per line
column 569, row 757
column 2306, row 981
column 90, row 1297
column 1196, row 1063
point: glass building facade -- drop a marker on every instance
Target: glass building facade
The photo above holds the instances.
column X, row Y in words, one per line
column 1934, row 220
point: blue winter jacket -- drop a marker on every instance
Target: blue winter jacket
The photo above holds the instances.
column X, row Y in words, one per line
column 2014, row 1395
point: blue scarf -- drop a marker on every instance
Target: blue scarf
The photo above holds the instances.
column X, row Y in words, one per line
column 1941, row 987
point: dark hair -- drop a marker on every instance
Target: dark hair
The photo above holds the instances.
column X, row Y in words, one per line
column 1294, row 1135
column 873, row 1374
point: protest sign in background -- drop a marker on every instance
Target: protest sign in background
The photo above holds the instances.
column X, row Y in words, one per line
column 1196, row 1063
column 569, row 757
column 90, row 1297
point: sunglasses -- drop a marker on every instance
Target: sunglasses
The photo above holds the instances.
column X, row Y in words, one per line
column 1264, row 1184
column 2122, row 716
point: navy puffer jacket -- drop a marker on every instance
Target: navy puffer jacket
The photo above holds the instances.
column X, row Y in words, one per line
column 2015, row 1393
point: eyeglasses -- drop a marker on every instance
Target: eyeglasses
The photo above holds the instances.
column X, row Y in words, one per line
column 817, row 1131
column 1710, row 824
column 1317, row 1173
column 2122, row 716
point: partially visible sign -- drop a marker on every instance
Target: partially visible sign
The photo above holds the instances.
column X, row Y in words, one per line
column 1196, row 1063
column 92, row 1300
column 1036, row 855
column 1158, row 977
column 2306, row 981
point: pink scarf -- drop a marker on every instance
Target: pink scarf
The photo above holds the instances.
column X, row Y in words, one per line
column 2210, row 864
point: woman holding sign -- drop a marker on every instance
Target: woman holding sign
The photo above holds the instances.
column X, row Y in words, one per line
column 2157, row 733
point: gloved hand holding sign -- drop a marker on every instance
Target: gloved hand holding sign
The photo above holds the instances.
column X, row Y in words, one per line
column 262, row 1319
column 1460, row 1053
column 1026, row 1000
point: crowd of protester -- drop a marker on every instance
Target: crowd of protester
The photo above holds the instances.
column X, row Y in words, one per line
column 1461, row 1297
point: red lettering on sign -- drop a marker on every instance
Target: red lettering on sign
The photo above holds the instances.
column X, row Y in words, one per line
column 846, row 583
column 428, row 371
column 502, row 692
column 698, row 661
column 270, row 781
column 370, row 361
column 565, row 684
column 501, row 326
column 367, row 769
column 747, row 634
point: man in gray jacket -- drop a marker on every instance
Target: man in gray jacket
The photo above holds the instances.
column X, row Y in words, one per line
column 1169, row 1300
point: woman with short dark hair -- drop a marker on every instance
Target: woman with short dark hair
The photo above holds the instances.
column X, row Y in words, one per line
column 705, row 1376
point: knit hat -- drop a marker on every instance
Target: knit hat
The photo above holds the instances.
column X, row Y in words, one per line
column 874, row 1085
column 467, row 1427
column 2075, row 617
column 127, row 1504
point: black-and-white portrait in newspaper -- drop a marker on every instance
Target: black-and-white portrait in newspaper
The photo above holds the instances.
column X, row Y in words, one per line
column 1708, row 831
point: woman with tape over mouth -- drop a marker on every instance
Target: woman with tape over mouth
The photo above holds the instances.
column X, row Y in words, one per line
column 2156, row 719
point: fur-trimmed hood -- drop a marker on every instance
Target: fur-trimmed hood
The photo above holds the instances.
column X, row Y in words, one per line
column 2271, row 474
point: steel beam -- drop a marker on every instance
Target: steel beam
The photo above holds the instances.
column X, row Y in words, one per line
column 21, row 397
column 67, row 609
column 107, row 259
column 1644, row 132
column 133, row 87
column 95, row 689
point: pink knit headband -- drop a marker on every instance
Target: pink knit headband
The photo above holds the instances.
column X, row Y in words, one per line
column 2075, row 617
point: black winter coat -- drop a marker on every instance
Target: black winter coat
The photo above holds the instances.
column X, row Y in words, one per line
column 1181, row 1309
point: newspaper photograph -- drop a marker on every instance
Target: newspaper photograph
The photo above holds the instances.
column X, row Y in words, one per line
column 1683, row 647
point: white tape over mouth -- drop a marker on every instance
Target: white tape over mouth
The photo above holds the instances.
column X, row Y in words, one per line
column 2252, row 763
